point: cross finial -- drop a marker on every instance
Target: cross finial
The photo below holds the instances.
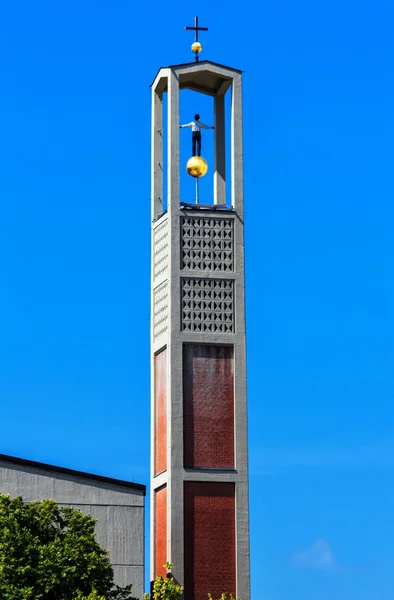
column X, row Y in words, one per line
column 196, row 46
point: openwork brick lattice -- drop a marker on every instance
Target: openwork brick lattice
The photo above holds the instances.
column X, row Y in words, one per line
column 207, row 244
column 160, row 309
column 160, row 238
column 208, row 305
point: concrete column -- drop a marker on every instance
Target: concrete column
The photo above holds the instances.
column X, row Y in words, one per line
column 157, row 203
column 173, row 182
column 157, row 154
column 220, row 152
column 241, row 417
column 237, row 183
column 175, row 396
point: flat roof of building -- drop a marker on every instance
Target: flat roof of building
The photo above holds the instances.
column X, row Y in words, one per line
column 200, row 79
column 22, row 462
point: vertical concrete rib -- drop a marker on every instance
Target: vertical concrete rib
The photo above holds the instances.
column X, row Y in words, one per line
column 173, row 142
column 237, row 182
column 175, row 413
column 157, row 154
column 219, row 152
column 156, row 183
column 157, row 173
column 241, row 424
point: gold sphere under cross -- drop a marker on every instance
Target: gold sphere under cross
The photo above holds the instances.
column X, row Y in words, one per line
column 197, row 166
column 196, row 47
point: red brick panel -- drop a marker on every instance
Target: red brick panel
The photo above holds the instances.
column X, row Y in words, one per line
column 160, row 530
column 161, row 412
column 208, row 406
column 209, row 528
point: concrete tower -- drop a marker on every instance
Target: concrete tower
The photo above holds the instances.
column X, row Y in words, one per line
column 199, row 452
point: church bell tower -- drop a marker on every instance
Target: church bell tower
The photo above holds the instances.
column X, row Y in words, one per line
column 199, row 445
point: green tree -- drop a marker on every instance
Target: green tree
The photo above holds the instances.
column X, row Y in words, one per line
column 224, row 596
column 165, row 588
column 51, row 553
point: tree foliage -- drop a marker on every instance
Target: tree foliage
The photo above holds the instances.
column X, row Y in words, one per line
column 49, row 552
column 165, row 588
column 224, row 596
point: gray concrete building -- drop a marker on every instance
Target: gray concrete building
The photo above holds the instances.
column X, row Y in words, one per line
column 118, row 505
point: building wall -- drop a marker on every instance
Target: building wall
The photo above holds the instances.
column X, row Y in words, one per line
column 120, row 513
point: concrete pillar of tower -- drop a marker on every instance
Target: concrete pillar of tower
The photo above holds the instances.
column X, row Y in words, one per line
column 220, row 151
column 157, row 154
column 199, row 497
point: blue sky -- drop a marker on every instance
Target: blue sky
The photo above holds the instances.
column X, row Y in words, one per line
column 75, row 244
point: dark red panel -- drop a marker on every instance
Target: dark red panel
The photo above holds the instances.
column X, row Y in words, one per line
column 209, row 526
column 208, row 406
column 160, row 530
column 161, row 412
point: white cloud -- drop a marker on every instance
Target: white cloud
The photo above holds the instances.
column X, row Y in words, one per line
column 318, row 556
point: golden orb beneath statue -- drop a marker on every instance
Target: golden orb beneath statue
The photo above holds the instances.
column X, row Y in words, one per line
column 196, row 47
column 197, row 166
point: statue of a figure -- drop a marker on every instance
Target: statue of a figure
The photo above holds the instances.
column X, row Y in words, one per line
column 196, row 126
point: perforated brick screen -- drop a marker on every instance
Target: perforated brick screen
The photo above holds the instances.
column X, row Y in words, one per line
column 207, row 305
column 161, row 412
column 207, row 244
column 160, row 237
column 160, row 530
column 209, row 525
column 208, row 406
